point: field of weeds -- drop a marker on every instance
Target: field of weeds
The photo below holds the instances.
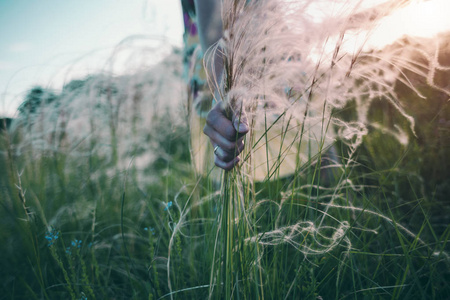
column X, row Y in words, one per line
column 100, row 199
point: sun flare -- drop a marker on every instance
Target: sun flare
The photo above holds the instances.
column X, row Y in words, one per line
column 424, row 19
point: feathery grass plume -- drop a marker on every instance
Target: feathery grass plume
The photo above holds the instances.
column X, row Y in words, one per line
column 290, row 66
column 305, row 58
column 105, row 116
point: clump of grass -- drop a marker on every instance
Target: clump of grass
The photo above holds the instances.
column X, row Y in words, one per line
column 291, row 73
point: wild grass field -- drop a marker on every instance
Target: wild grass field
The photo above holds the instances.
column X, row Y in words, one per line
column 100, row 199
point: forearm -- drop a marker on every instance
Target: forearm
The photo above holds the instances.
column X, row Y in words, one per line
column 209, row 23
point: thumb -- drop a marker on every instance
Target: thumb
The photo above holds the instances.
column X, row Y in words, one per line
column 240, row 122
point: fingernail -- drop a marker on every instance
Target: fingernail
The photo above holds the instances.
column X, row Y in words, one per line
column 241, row 127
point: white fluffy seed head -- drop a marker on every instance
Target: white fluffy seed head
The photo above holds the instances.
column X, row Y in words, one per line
column 308, row 58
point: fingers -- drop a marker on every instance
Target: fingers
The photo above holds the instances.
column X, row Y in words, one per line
column 228, row 155
column 227, row 166
column 218, row 120
column 228, row 145
column 240, row 122
column 227, row 134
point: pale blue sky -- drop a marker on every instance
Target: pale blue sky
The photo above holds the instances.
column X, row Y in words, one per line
column 39, row 39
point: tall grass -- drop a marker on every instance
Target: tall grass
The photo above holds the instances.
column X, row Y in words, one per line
column 100, row 200
column 290, row 73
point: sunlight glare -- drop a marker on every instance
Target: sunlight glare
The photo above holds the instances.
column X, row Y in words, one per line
column 425, row 19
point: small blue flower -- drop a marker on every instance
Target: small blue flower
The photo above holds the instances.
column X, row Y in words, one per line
column 76, row 243
column 51, row 236
column 152, row 230
column 69, row 251
column 168, row 206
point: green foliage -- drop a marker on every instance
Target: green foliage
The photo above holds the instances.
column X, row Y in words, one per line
column 81, row 224
column 136, row 245
column 36, row 98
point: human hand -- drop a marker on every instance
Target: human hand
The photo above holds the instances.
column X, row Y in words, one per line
column 226, row 134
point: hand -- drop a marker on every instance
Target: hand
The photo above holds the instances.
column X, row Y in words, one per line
column 226, row 135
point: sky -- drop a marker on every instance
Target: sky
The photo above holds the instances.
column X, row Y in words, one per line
column 421, row 18
column 50, row 42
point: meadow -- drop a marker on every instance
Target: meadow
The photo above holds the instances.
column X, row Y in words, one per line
column 100, row 198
